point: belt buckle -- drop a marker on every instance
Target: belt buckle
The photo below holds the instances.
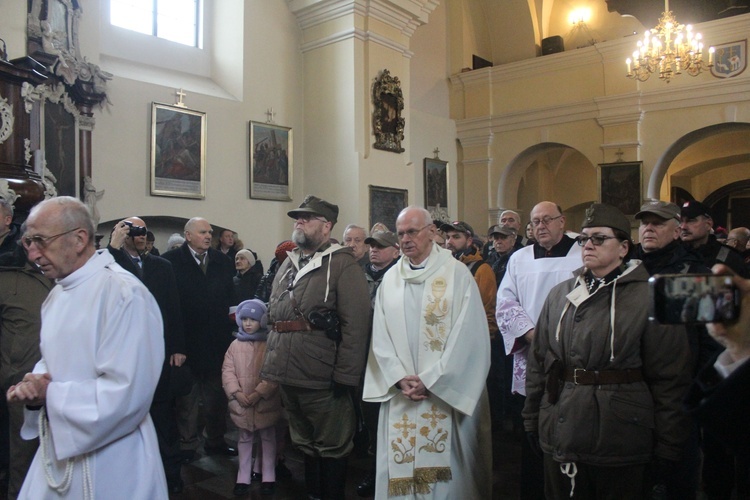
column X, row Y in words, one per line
column 575, row 374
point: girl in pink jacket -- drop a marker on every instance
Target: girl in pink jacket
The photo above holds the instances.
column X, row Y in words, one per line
column 254, row 404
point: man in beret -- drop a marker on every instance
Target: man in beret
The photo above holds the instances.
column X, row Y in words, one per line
column 319, row 314
column 695, row 232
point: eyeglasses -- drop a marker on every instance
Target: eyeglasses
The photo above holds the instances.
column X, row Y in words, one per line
column 545, row 221
column 41, row 242
column 308, row 217
column 411, row 233
column 597, row 240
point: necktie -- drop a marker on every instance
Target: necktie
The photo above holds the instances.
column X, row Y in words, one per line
column 202, row 260
column 137, row 262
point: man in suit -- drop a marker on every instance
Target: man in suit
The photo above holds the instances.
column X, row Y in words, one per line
column 204, row 282
column 128, row 246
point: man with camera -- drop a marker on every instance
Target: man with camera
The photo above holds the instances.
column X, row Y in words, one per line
column 319, row 314
column 127, row 245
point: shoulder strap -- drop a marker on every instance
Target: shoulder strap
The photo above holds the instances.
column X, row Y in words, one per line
column 723, row 254
column 473, row 266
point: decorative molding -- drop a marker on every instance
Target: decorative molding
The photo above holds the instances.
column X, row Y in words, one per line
column 405, row 15
column 56, row 94
column 387, row 120
column 358, row 34
column 6, row 120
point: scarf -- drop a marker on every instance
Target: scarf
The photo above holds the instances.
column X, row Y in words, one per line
column 419, row 431
column 246, row 337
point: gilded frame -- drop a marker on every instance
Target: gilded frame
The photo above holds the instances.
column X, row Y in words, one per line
column 435, row 184
column 620, row 185
column 271, row 161
column 387, row 122
column 178, row 152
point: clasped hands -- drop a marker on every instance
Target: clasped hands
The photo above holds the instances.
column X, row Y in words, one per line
column 412, row 387
column 247, row 400
column 32, row 390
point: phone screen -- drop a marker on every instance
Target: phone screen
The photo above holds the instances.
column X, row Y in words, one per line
column 693, row 298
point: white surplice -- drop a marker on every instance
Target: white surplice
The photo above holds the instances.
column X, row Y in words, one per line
column 102, row 344
column 520, row 298
column 456, row 382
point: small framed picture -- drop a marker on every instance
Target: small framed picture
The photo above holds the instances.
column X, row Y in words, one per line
column 270, row 162
column 178, row 152
column 385, row 205
column 620, row 185
column 435, row 184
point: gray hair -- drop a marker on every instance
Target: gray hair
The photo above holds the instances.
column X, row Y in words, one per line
column 354, row 226
column 6, row 207
column 73, row 213
column 175, row 240
column 423, row 213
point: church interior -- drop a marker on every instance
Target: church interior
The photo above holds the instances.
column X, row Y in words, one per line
column 517, row 101
column 466, row 107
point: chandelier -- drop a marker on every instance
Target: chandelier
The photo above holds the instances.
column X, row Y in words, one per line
column 669, row 49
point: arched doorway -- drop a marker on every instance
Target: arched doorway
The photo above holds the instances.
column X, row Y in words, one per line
column 711, row 165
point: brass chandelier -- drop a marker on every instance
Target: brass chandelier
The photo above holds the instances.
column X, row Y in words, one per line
column 669, row 49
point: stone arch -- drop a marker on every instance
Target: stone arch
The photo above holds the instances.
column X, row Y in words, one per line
column 547, row 171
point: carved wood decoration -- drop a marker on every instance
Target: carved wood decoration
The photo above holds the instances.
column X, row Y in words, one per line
column 388, row 124
column 75, row 85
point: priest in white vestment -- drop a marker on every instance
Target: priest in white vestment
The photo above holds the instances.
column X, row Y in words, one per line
column 428, row 366
column 102, row 351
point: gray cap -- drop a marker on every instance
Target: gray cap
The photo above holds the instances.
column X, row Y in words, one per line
column 314, row 205
column 383, row 238
column 603, row 215
column 504, row 230
column 663, row 209
column 457, row 225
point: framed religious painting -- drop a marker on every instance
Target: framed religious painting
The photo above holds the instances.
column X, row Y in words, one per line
column 385, row 205
column 435, row 184
column 178, row 152
column 271, row 156
column 620, row 185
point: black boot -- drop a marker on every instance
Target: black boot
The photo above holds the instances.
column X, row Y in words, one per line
column 312, row 478
column 333, row 478
column 367, row 487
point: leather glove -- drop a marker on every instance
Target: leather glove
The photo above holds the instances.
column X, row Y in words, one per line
column 533, row 439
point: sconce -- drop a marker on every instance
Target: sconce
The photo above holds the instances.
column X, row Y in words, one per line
column 580, row 16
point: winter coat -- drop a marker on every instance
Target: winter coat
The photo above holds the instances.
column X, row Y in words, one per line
column 331, row 281
column 241, row 372
column 23, row 289
column 614, row 424
column 485, row 278
column 205, row 300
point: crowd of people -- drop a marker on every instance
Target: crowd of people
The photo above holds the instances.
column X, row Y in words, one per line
column 416, row 345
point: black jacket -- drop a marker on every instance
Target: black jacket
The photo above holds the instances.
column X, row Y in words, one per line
column 205, row 300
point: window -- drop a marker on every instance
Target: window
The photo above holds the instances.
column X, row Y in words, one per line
column 175, row 20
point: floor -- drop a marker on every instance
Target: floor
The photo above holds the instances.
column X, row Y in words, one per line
column 213, row 477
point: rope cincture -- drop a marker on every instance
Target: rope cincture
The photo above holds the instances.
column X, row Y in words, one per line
column 63, row 485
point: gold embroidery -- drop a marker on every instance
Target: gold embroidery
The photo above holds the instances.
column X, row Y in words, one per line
column 420, row 483
column 403, row 449
column 435, row 314
column 437, row 436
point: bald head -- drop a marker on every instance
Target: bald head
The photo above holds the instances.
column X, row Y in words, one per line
column 135, row 244
column 548, row 224
column 738, row 238
column 198, row 233
column 62, row 236
column 415, row 232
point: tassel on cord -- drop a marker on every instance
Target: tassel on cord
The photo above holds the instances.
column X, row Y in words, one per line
column 570, row 469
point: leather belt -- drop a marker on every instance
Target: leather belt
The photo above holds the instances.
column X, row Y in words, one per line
column 299, row 325
column 581, row 376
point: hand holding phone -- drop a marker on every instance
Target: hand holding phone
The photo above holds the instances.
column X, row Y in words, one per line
column 694, row 298
column 734, row 335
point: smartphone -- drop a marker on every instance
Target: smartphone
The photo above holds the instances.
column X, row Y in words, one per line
column 693, row 298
